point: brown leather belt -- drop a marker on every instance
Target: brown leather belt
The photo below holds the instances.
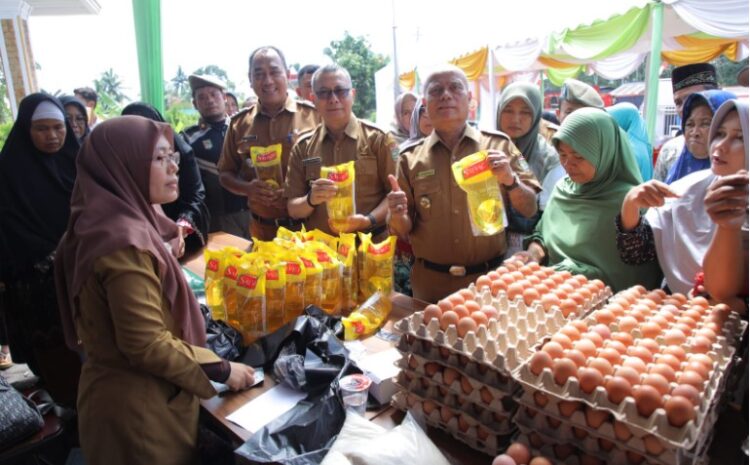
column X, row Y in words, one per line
column 285, row 222
column 461, row 270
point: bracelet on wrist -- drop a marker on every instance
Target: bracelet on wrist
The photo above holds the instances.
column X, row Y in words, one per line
column 309, row 200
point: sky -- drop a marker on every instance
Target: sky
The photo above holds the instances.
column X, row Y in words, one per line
column 72, row 51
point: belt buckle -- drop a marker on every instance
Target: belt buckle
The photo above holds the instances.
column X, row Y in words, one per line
column 457, row 271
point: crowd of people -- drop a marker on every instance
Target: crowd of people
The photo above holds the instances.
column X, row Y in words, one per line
column 95, row 216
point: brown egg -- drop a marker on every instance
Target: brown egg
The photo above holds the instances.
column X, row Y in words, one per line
column 634, row 458
column 515, row 290
column 445, row 305
column 466, row 325
column 577, row 297
column 680, row 410
column 579, row 432
column 689, row 392
column 703, row 359
column 594, row 337
column 627, row 324
column 700, row 344
column 622, row 432
column 568, row 407
column 466, row 386
column 649, row 344
column 589, row 379
column 700, row 301
column 697, row 367
column 540, row 399
column 449, row 318
column 540, row 461
column 530, row 295
column 563, row 368
column 463, row 425
column 519, row 452
column 603, row 331
column 692, row 378
column 467, row 294
column 554, row 349
column 657, row 381
column 501, row 270
column 605, row 444
column 635, row 363
column 446, row 414
column 483, row 281
column 708, row 333
column 650, row 329
column 641, row 352
column 590, row 460
column 669, row 360
column 450, row 375
column 489, row 311
column 567, row 287
column 549, row 300
column 456, row 299
column 586, row 347
column 563, row 451
column 486, row 395
column 428, row 406
column 472, row 306
column 557, row 278
column 625, row 338
column 653, row 445
column 568, row 307
column 430, row 312
column 461, row 311
column 602, row 365
column 675, row 350
column 664, row 370
column 497, row 286
column 580, row 325
column 617, row 345
column 576, row 357
column 553, row 423
column 482, row 433
column 430, row 368
column 563, row 340
column 595, row 418
column 609, row 354
column 647, row 399
column 618, row 388
column 571, row 331
column 604, row 316
column 539, row 361
column 480, row 319
column 629, row 373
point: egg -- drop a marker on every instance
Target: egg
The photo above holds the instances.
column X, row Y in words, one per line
column 647, row 399
column 594, row 337
column 675, row 350
column 450, row 375
column 446, row 414
column 669, row 360
column 589, row 379
column 497, row 286
column 627, row 323
column 456, row 299
column 617, row 345
column 580, row 433
column 629, row 373
column 430, row 312
column 609, row 354
column 449, row 318
column 486, row 395
column 649, row 344
column 618, row 388
column 605, row 317
column 625, row 338
column 515, row 290
column 602, row 365
column 700, row 301
column 656, row 381
column 700, row 345
column 703, row 359
column 553, row 423
column 463, row 425
column 540, row 399
column 571, row 331
column 501, row 270
column 445, row 353
column 689, row 392
column 576, row 357
column 489, row 311
column 428, row 406
column 634, row 458
column 641, row 352
column 653, row 445
column 586, row 347
column 563, row 340
column 554, row 349
column 482, row 433
column 605, row 444
column 697, row 367
column 590, row 460
column 581, row 326
column 539, row 361
column 466, row 325
column 504, row 459
column 563, row 451
column 595, row 418
column 622, row 432
column 562, row 369
column 430, row 368
column 680, row 410
column 692, row 378
column 708, row 333
column 568, row 407
column 466, row 386
column 472, row 306
column 577, row 297
column 530, row 295
column 445, row 305
column 540, row 461
column 550, row 300
column 519, row 452
column 483, row 281
column 461, row 311
column 664, row 370
column 480, row 319
column 602, row 330
column 413, row 362
column 635, row 363
column 568, row 307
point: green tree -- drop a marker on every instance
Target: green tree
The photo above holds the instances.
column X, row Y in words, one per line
column 109, row 93
column 180, row 83
column 218, row 72
column 356, row 55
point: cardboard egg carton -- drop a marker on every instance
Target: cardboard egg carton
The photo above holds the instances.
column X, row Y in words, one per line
column 496, row 415
column 601, row 441
column 626, row 412
column 476, row 435
column 500, row 402
column 482, row 372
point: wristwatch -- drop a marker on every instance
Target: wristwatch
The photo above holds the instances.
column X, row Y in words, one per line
column 372, row 219
column 513, row 185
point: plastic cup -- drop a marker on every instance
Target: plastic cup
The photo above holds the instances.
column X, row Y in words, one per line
column 354, row 390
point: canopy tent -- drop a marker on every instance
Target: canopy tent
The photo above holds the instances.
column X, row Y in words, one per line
column 677, row 32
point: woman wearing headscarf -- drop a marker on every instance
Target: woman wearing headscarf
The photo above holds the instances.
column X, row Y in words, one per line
column 697, row 113
column 37, row 172
column 629, row 119
column 573, row 233
column 75, row 113
column 189, row 211
column 420, row 125
column 519, row 115
column 403, row 108
column 124, row 299
column 676, row 230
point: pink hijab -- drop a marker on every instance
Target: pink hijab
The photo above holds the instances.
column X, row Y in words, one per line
column 110, row 210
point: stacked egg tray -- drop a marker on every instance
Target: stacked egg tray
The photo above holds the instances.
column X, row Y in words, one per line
column 565, row 453
column 676, row 424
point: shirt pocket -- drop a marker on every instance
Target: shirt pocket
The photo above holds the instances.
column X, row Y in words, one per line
column 366, row 176
column 425, row 197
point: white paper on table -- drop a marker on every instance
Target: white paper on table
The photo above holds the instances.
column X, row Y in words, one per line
column 356, row 349
column 381, row 365
column 268, row 406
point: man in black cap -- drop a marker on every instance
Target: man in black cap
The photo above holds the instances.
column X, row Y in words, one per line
column 228, row 211
column 686, row 80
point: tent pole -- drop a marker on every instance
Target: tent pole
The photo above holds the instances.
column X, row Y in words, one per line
column 652, row 89
column 147, row 18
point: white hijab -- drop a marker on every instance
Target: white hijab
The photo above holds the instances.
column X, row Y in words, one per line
column 682, row 228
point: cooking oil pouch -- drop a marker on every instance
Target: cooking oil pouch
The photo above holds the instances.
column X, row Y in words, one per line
column 331, row 285
column 294, row 297
column 313, row 278
column 214, row 273
column 251, row 295
column 347, row 254
column 229, row 291
column 275, row 293
column 330, row 241
column 365, row 320
column 267, row 163
column 378, row 267
column 364, row 242
column 486, row 209
column 342, row 206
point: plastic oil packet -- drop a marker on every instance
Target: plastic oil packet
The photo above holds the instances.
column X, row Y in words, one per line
column 342, row 206
column 214, row 273
column 251, row 296
column 377, row 269
column 294, row 298
column 347, row 252
column 313, row 278
column 486, row 209
column 368, row 317
column 331, row 285
column 267, row 163
column 275, row 295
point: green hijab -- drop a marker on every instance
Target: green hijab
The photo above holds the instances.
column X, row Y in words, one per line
column 540, row 155
column 577, row 227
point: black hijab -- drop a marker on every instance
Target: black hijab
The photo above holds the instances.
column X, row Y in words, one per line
column 148, row 111
column 69, row 100
column 35, row 190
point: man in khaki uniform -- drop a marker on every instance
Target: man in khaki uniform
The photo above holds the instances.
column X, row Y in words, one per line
column 427, row 205
column 276, row 118
column 339, row 139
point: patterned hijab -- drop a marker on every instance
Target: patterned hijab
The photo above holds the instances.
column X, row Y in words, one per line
column 111, row 210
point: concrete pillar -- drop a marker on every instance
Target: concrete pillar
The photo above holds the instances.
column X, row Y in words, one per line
column 15, row 51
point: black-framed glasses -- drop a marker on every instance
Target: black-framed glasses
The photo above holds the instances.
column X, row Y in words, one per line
column 339, row 92
column 75, row 119
column 174, row 157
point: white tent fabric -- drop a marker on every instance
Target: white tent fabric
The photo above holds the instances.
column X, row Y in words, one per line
column 520, row 56
column 618, row 66
column 721, row 18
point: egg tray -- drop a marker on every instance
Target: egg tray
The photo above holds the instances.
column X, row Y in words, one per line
column 497, row 420
column 499, row 398
column 483, row 372
column 492, row 445
column 563, row 433
column 657, row 424
column 547, row 450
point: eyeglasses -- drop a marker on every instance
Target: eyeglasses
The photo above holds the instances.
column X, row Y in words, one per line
column 163, row 160
column 76, row 119
column 339, row 92
column 454, row 88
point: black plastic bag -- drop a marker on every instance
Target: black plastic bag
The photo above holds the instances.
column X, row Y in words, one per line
column 308, row 353
column 222, row 339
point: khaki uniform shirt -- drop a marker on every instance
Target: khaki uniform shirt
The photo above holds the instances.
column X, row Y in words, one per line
column 372, row 151
column 251, row 127
column 441, row 231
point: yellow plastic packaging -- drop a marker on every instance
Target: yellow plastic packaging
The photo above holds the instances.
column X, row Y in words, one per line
column 267, row 163
column 368, row 318
column 214, row 273
column 330, row 300
column 275, row 293
column 229, row 289
column 251, row 290
column 294, row 297
column 347, row 254
column 317, row 235
column 342, row 206
column 313, row 278
column 486, row 209
column 364, row 242
column 377, row 270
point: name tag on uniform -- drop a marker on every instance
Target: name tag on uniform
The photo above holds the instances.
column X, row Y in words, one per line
column 425, row 174
column 312, row 168
column 207, row 144
column 250, row 138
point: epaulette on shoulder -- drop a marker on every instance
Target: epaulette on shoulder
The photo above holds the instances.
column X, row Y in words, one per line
column 494, row 132
column 410, row 145
column 241, row 112
column 305, row 104
column 191, row 129
column 372, row 125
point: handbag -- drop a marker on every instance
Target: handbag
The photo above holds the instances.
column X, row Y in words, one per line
column 19, row 416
